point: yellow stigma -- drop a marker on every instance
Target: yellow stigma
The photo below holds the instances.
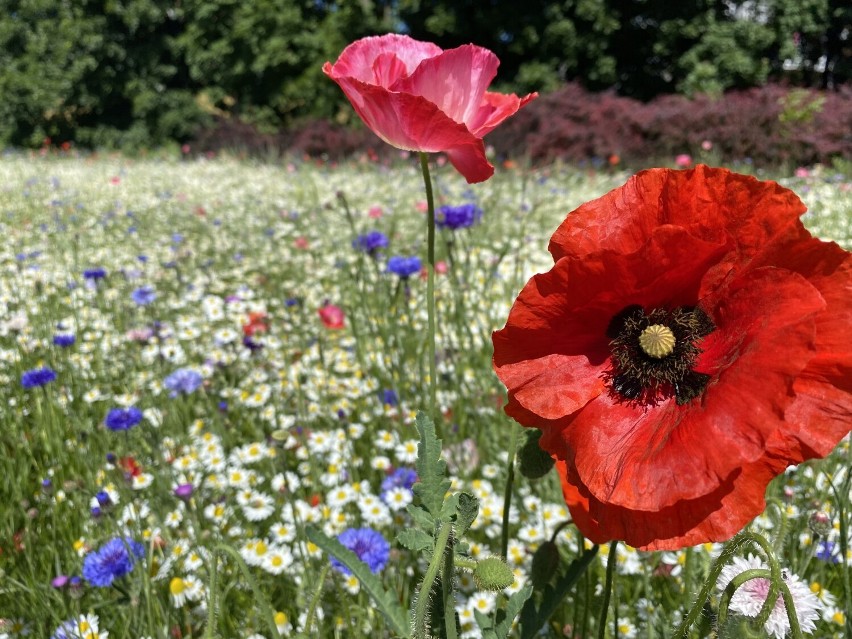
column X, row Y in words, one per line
column 657, row 341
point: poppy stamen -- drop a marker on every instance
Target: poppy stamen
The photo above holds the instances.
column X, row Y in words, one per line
column 653, row 353
column 657, row 341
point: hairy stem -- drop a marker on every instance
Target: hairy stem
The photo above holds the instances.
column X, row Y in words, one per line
column 610, row 577
column 421, row 631
column 430, row 286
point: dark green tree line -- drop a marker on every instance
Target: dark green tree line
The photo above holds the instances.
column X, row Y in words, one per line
column 131, row 73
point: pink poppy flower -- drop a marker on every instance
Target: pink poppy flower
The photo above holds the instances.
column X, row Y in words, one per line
column 332, row 316
column 418, row 97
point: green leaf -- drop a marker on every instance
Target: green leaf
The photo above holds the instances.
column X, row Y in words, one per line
column 513, row 607
column 532, row 618
column 421, row 517
column 416, row 540
column 468, row 509
column 385, row 600
column 450, row 508
column 432, row 484
column 484, row 623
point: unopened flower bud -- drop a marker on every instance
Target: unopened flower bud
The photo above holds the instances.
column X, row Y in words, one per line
column 492, row 573
column 820, row 523
column 534, row 463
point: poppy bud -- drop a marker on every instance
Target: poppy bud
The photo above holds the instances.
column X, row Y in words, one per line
column 534, row 462
column 820, row 523
column 492, row 573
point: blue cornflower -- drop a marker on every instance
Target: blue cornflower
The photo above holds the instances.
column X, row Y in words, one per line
column 64, row 339
column 37, row 377
column 458, row 217
column 183, row 380
column 400, row 478
column 389, row 397
column 111, row 561
column 404, row 266
column 94, row 274
column 66, row 630
column 123, row 418
column 370, row 242
column 827, row 551
column 368, row 544
column 143, row 295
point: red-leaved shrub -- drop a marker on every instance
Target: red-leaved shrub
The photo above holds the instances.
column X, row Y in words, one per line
column 768, row 125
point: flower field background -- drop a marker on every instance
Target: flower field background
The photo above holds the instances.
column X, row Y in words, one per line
column 202, row 358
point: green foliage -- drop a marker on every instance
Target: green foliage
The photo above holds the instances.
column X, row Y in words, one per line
column 98, row 73
column 432, row 482
column 385, row 600
column 799, row 108
column 140, row 73
column 533, row 616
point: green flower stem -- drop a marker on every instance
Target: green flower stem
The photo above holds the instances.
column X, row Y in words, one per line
column 775, row 573
column 421, row 630
column 211, row 598
column 312, row 609
column 447, row 592
column 727, row 552
column 610, row 576
column 762, row 573
column 430, row 286
column 842, row 515
column 259, row 596
column 507, row 493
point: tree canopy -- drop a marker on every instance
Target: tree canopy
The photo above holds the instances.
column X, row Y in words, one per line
column 143, row 72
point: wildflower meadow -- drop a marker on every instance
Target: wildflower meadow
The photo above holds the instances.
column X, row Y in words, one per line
column 448, row 395
column 205, row 358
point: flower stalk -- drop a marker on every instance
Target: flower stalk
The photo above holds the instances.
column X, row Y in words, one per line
column 430, row 286
column 611, row 560
column 421, row 608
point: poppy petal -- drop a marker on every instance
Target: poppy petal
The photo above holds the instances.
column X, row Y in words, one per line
column 710, row 203
column 651, row 457
column 553, row 350
column 714, row 517
column 823, row 402
column 455, row 80
column 494, row 108
column 357, row 60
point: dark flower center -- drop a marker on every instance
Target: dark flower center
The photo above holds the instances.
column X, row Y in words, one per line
column 653, row 353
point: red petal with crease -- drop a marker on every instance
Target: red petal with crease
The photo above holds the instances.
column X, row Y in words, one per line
column 650, row 457
column 553, row 350
column 709, row 203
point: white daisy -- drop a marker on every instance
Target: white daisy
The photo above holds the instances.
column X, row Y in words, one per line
column 750, row 597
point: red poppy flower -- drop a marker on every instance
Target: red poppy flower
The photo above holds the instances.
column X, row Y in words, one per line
column 130, row 466
column 332, row 316
column 418, row 97
column 255, row 323
column 691, row 341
